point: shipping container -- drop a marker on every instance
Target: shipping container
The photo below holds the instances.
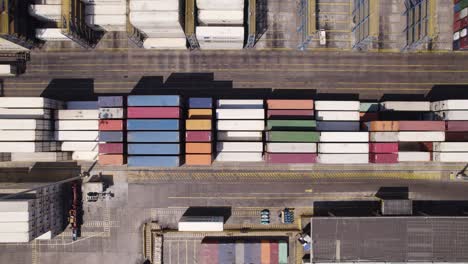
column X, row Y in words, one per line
column 241, row 125
column 108, row 136
column 111, row 148
column 239, row 136
column 457, row 126
column 405, row 106
column 449, row 105
column 111, row 125
column 343, row 148
column 274, row 252
column 23, row 237
column 110, row 101
column 283, row 252
column 291, row 125
column 240, row 114
column 153, row 161
column 344, row 136
column 456, row 136
column 338, row 125
column 220, row 37
column 153, row 5
column 240, row 252
column 26, row 135
column 265, row 248
column 376, row 126
column 414, row 156
column 198, row 159
column 77, row 114
column 153, row 112
column 152, row 124
column 383, row 158
column 30, row 102
column 240, row 156
column 290, row 104
column 40, row 156
column 82, row 105
column 198, row 136
column 111, row 159
column 239, row 146
column 25, row 113
column 79, row 146
column 85, row 155
column 450, row 156
column 293, row 136
column 421, row 136
column 77, row 135
column 337, row 105
column 220, row 17
column 198, row 124
column 276, row 114
column 220, row 5
column 25, row 124
column 226, row 252
column 198, row 148
column 111, row 113
column 77, row 125
column 201, row 223
column 200, row 113
column 165, row 43
column 383, row 147
column 153, row 137
column 200, row 102
column 451, row 146
column 239, row 104
column 343, row 158
column 291, row 147
column 452, row 115
column 153, row 100
column 369, row 107
column 28, row 146
column 153, row 149
column 383, row 136
column 209, row 252
column 421, row 125
column 278, row 158
column 338, row 115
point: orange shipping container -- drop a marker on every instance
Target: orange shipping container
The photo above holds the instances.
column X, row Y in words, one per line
column 196, row 124
column 111, row 159
column 383, row 126
column 265, row 249
column 200, row 113
column 110, row 125
column 290, row 104
column 198, row 159
column 198, row 148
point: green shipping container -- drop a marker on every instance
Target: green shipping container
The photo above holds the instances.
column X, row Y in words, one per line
column 293, row 136
column 283, row 253
column 290, row 124
column 463, row 4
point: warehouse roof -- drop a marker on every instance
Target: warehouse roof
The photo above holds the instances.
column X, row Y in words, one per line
column 396, row 239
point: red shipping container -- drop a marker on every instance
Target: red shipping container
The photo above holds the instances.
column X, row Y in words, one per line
column 457, row 125
column 276, row 113
column 111, row 148
column 457, row 25
column 383, row 158
column 422, row 125
column 464, row 43
column 383, row 147
column 456, row 136
column 111, row 159
column 456, row 17
column 464, row 22
column 369, row 116
column 280, row 158
column 274, row 252
column 111, row 125
column 153, row 112
column 198, row 136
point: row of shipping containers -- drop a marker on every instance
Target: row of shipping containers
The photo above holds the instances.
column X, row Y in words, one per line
column 460, row 25
column 198, row 132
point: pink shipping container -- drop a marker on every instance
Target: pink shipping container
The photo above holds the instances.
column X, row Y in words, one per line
column 383, row 147
column 153, row 112
column 277, row 113
column 457, row 25
column 457, row 125
column 209, row 253
column 279, row 158
column 456, row 17
column 422, row 125
column 198, row 136
column 274, row 252
column 383, row 158
column 111, row 148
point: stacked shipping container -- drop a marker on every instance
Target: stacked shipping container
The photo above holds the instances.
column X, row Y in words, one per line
column 108, row 15
column 240, row 124
column 460, row 25
column 198, row 132
column 291, row 135
column 153, row 130
column 111, row 120
column 383, row 137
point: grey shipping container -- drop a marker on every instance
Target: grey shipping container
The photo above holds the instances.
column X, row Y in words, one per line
column 226, row 253
column 110, row 101
column 153, row 124
column 252, row 253
column 111, row 136
column 153, row 149
column 153, row 100
column 153, row 137
column 153, row 161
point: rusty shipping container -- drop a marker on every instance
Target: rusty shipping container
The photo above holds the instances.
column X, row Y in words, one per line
column 111, row 125
column 111, row 159
column 375, row 126
column 198, row 159
column 198, row 148
column 290, row 104
column 421, row 125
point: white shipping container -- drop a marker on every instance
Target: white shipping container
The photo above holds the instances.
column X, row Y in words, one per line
column 16, row 227
column 78, row 114
column 77, row 135
column 154, row 18
column 421, row 136
column 343, row 158
column 221, row 45
column 220, row 17
column 28, row 146
column 111, row 113
column 337, row 105
column 106, row 20
column 82, row 105
column 17, row 205
column 77, row 125
column 450, row 156
column 165, row 43
column 343, row 148
column 344, row 137
column 453, row 115
column 338, row 115
column 338, row 126
column 23, row 216
column 51, row 34
column 7, row 70
column 240, row 114
column 220, row 34
column 239, row 156
column 405, row 106
column 25, row 135
column 239, row 136
column 413, row 156
column 85, row 155
column 201, row 223
column 25, row 113
column 22, row 237
column 239, row 104
column 464, row 12
column 6, row 45
column 164, row 32
column 220, row 4
column 46, row 12
column 153, row 5
column 383, row 137
column 100, row 9
column 291, row 147
column 80, row 146
column 40, row 156
column 449, row 105
column 238, row 125
column 25, row 124
column 450, row 146
column 239, row 146
column 29, row 102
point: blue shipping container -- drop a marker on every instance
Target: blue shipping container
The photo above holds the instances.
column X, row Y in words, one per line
column 457, row 8
column 111, row 136
column 153, row 161
column 153, row 124
column 153, row 100
column 226, row 253
column 110, row 101
column 153, row 137
column 200, row 102
column 153, row 149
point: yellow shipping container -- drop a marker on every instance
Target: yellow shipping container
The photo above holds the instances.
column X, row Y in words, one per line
column 198, row 124
column 200, row 113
